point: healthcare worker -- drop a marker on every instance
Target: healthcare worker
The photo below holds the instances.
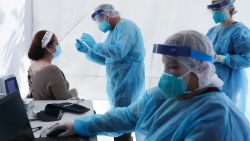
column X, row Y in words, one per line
column 231, row 41
column 186, row 104
column 122, row 53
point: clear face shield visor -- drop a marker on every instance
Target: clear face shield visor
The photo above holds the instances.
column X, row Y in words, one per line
column 98, row 16
column 169, row 69
column 102, row 14
column 222, row 6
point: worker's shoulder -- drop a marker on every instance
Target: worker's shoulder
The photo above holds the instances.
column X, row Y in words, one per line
column 214, row 100
column 127, row 23
column 241, row 29
column 240, row 25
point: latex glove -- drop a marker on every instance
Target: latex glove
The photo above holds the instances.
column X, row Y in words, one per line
column 67, row 126
column 88, row 39
column 219, row 58
column 80, row 46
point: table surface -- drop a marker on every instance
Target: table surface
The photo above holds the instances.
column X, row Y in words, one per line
column 40, row 105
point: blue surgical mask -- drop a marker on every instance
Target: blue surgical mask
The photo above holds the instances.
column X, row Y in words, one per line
column 172, row 86
column 104, row 26
column 58, row 51
column 219, row 16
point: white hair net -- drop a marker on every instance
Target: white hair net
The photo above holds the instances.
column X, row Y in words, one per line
column 109, row 10
column 205, row 71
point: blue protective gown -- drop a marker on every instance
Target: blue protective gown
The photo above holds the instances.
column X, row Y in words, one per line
column 123, row 54
column 233, row 41
column 207, row 117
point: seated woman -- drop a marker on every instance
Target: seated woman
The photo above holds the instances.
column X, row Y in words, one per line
column 185, row 105
column 47, row 81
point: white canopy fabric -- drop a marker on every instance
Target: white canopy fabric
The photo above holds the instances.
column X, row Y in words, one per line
column 15, row 36
column 156, row 19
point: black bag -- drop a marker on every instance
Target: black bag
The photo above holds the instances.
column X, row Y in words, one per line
column 54, row 111
column 69, row 107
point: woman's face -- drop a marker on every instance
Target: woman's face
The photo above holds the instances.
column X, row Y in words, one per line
column 55, row 43
column 174, row 67
column 52, row 47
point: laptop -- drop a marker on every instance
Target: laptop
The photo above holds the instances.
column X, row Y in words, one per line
column 15, row 125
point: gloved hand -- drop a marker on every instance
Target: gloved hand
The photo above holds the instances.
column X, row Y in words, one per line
column 219, row 58
column 88, row 39
column 67, row 126
column 80, row 46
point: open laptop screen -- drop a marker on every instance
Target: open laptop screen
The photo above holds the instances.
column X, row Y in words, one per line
column 11, row 85
column 14, row 123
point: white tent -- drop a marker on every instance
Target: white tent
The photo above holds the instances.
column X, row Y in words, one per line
column 68, row 19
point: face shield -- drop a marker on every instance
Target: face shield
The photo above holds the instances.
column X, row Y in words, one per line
column 102, row 16
column 220, row 11
column 170, row 70
column 221, row 6
column 98, row 15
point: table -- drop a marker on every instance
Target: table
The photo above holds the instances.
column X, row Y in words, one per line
column 40, row 105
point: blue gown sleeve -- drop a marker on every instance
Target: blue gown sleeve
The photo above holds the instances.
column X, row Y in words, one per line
column 241, row 43
column 216, row 122
column 120, row 47
column 203, row 126
column 115, row 122
column 95, row 57
column 209, row 31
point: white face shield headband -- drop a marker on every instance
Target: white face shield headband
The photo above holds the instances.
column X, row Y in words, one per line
column 46, row 38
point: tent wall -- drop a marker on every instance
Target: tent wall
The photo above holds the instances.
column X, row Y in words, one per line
column 157, row 20
column 15, row 37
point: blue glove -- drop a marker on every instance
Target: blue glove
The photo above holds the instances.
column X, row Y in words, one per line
column 88, row 39
column 80, row 46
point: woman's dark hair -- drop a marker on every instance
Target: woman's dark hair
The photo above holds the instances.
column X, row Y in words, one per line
column 36, row 51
